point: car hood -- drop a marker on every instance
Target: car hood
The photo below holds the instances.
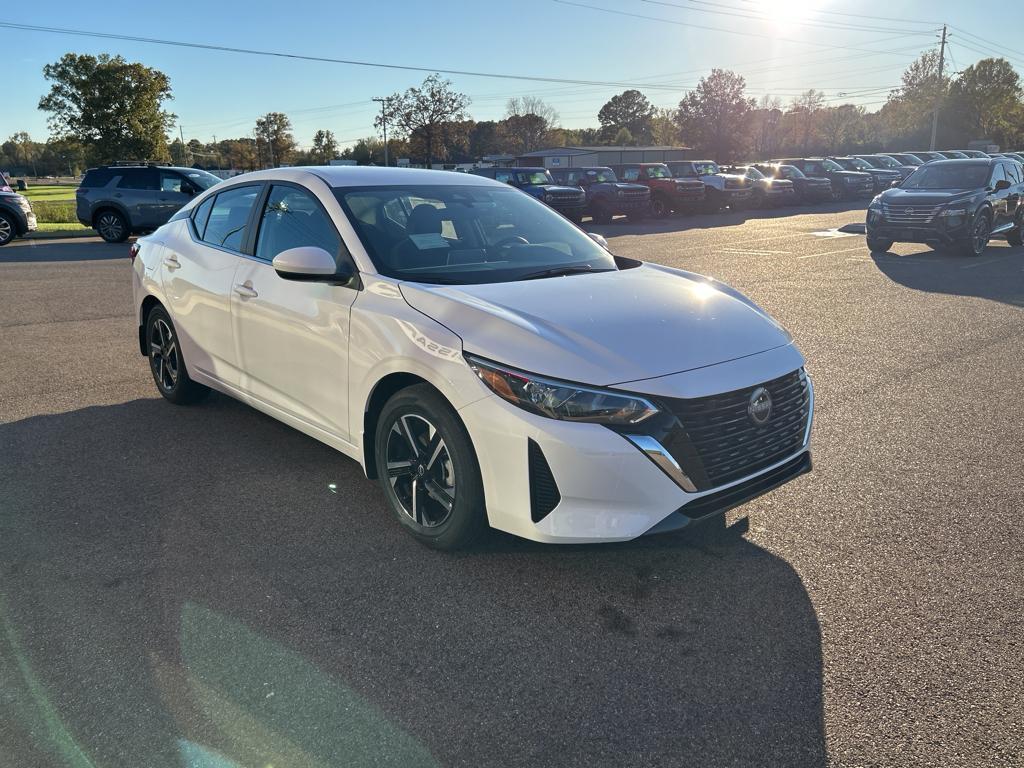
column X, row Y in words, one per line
column 852, row 174
column 603, row 328
column 929, row 197
column 627, row 187
column 553, row 188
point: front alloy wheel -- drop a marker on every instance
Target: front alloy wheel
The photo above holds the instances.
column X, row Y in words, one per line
column 428, row 469
column 981, row 232
column 6, row 229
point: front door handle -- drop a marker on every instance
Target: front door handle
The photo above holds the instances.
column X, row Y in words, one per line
column 171, row 262
column 246, row 291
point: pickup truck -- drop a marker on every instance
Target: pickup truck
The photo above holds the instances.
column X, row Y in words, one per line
column 606, row 195
column 720, row 189
column 882, row 177
column 571, row 202
column 667, row 194
column 808, row 190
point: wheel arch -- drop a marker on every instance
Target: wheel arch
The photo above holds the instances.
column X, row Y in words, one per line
column 108, row 205
column 147, row 305
column 382, row 391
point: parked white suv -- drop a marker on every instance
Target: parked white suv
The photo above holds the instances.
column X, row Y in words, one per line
column 482, row 356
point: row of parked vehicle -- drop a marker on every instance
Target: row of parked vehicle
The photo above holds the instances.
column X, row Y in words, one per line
column 639, row 190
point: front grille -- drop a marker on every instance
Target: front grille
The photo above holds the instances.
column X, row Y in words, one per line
column 636, row 195
column 564, row 198
column 717, row 442
column 909, row 214
column 544, row 495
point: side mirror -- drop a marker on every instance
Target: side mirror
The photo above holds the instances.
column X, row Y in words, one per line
column 310, row 263
column 1002, row 184
column 599, row 240
column 896, row 183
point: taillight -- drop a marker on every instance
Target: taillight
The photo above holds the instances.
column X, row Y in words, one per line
column 133, row 252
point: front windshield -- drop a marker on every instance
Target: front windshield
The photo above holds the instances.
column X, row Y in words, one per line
column 831, row 165
column 602, row 175
column 465, row 234
column 202, row 179
column 860, row 165
column 534, row 177
column 954, row 155
column 791, row 172
column 948, row 176
column 752, row 173
column 706, row 169
column 909, row 159
column 885, row 162
column 658, row 172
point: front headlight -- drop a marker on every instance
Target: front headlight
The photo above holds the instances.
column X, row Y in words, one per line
column 875, row 204
column 560, row 399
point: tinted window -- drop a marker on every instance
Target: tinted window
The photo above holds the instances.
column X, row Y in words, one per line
column 505, row 177
column 228, row 217
column 1013, row 173
column 200, row 215
column 138, row 178
column 456, row 234
column 97, row 177
column 997, row 175
column 631, row 174
column 949, row 175
column 293, row 218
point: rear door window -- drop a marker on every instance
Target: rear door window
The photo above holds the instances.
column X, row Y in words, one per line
column 226, row 226
column 138, row 178
column 201, row 215
column 97, row 177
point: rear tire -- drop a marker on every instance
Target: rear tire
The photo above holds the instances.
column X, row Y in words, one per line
column 166, row 362
column 8, row 229
column 112, row 226
column 879, row 245
column 428, row 469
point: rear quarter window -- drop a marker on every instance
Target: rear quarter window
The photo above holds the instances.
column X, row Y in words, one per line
column 97, row 177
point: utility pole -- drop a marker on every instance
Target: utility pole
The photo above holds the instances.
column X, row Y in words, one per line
column 939, row 89
column 384, row 125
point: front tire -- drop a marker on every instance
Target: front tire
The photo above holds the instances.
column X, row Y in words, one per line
column 877, row 245
column 660, row 208
column 112, row 226
column 7, row 229
column 981, row 232
column 601, row 214
column 428, row 469
column 166, row 362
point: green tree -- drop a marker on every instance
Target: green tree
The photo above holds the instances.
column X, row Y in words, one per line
column 274, row 134
column 484, row 139
column 523, row 133
column 664, row 131
column 713, row 116
column 842, row 127
column 325, row 147
column 985, row 102
column 623, row 138
column 110, row 105
column 425, row 111
column 907, row 114
column 630, row 110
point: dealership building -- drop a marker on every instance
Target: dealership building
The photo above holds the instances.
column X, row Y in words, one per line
column 581, row 157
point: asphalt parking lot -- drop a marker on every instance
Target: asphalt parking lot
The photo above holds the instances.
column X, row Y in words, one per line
column 206, row 587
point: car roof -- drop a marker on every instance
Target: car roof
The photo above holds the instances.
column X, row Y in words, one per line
column 965, row 161
column 365, row 176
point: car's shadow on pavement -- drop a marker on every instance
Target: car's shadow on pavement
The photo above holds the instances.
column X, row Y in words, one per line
column 58, row 250
column 188, row 585
column 998, row 274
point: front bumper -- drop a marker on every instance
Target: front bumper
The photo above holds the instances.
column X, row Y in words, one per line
column 940, row 230
column 736, row 195
column 609, row 488
column 31, row 224
column 568, row 207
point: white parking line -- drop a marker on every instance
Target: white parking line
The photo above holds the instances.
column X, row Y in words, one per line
column 754, row 253
column 830, row 253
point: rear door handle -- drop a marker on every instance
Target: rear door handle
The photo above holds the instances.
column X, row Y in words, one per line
column 171, row 262
column 246, row 291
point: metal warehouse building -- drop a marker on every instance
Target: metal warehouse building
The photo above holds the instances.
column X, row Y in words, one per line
column 579, row 157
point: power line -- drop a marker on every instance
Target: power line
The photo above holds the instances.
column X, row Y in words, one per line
column 326, row 59
column 854, row 15
column 763, row 36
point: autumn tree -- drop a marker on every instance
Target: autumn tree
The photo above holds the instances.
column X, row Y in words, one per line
column 985, row 102
column 425, row 111
column 630, row 110
column 325, row 147
column 841, row 127
column 713, row 115
column 276, row 141
column 111, row 106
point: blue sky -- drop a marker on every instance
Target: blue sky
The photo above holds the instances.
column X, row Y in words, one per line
column 220, row 94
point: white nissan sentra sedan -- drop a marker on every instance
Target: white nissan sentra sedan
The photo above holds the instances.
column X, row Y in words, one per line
column 485, row 359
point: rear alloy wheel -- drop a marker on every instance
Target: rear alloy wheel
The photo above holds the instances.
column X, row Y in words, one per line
column 876, row 245
column 981, row 232
column 166, row 362
column 112, row 227
column 428, row 469
column 7, row 230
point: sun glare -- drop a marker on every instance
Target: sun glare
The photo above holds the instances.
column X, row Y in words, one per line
column 781, row 11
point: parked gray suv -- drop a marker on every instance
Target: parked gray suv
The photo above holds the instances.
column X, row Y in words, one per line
column 118, row 200
column 16, row 217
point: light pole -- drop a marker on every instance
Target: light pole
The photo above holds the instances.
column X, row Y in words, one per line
column 384, row 125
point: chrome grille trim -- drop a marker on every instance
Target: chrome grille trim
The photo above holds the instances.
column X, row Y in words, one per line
column 898, row 214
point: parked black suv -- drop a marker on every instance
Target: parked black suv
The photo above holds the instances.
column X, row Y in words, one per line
column 16, row 217
column 537, row 182
column 117, row 200
column 846, row 185
column 606, row 195
column 808, row 189
column 957, row 203
column 881, row 177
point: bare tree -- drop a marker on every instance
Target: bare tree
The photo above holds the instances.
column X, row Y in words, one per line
column 805, row 108
column 520, row 106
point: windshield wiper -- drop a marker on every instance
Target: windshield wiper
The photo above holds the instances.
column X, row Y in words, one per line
column 560, row 271
column 432, row 279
